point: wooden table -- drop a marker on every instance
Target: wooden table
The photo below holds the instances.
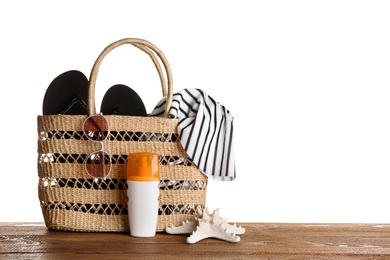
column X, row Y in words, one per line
column 261, row 241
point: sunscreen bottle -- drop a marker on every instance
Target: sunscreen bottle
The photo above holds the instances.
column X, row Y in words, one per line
column 143, row 177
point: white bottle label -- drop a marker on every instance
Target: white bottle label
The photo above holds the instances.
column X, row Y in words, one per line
column 142, row 207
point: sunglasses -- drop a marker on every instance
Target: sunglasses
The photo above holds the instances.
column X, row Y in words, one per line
column 98, row 163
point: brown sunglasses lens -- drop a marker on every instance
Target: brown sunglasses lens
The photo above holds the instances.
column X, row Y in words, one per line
column 96, row 128
column 98, row 164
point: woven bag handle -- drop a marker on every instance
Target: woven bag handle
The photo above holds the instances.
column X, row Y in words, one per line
column 157, row 65
column 145, row 46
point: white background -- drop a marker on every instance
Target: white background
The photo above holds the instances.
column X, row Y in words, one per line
column 308, row 83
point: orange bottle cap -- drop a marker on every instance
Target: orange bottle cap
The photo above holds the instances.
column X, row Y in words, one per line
column 143, row 166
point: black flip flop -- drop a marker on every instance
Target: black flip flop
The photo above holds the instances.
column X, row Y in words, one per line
column 67, row 94
column 122, row 100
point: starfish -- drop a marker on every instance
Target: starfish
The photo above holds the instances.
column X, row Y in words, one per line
column 207, row 225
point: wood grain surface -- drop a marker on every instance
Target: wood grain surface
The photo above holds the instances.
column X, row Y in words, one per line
column 261, row 241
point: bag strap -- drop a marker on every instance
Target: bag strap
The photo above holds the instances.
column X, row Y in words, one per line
column 157, row 65
column 148, row 48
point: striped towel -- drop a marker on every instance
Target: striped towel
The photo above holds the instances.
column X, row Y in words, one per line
column 205, row 129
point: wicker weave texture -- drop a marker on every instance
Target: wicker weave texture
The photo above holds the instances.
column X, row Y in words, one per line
column 72, row 200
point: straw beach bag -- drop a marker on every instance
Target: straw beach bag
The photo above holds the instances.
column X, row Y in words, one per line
column 72, row 200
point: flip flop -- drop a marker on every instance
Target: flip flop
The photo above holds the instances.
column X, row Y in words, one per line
column 67, row 94
column 122, row 100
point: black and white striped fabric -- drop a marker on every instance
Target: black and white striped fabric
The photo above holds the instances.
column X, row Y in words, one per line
column 206, row 132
